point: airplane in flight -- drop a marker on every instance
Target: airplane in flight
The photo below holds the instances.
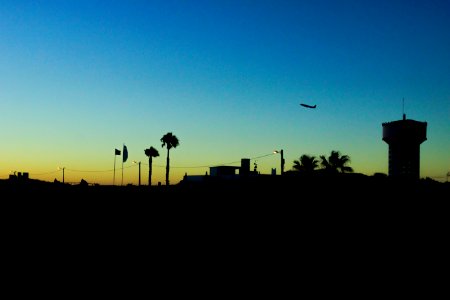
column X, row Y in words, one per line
column 308, row 106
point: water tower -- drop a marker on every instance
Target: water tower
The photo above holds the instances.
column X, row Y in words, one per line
column 404, row 138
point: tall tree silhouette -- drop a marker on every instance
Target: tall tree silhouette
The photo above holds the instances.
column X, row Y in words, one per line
column 306, row 164
column 170, row 141
column 336, row 162
column 150, row 152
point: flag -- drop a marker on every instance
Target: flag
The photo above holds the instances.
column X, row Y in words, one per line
column 125, row 153
column 117, row 152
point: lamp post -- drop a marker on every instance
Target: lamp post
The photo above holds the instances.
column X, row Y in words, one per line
column 282, row 160
column 139, row 163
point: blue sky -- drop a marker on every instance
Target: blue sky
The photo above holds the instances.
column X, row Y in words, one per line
column 80, row 78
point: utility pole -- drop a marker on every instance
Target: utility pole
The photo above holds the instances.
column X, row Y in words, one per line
column 62, row 168
column 139, row 173
column 139, row 164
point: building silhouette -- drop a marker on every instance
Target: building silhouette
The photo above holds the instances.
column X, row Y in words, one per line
column 404, row 138
column 227, row 173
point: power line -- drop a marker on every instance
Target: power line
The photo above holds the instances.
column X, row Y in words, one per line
column 46, row 173
column 209, row 166
column 154, row 165
column 97, row 171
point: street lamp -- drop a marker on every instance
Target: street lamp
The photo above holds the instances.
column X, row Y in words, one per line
column 62, row 168
column 136, row 162
column 282, row 159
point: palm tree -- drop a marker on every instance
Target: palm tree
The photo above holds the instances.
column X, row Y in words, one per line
column 306, row 164
column 150, row 152
column 336, row 162
column 170, row 141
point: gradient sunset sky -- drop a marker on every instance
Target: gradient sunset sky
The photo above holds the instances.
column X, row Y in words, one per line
column 81, row 78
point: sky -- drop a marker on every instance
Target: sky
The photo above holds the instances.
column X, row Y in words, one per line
column 79, row 79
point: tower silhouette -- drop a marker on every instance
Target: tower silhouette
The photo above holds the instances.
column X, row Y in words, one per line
column 404, row 138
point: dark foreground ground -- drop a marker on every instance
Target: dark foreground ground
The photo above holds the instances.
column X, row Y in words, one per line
column 289, row 208
column 347, row 235
column 285, row 195
column 276, row 189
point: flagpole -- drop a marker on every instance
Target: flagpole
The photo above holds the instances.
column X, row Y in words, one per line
column 114, row 176
column 122, row 163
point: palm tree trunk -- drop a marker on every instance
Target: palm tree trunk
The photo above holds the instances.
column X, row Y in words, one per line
column 150, row 171
column 167, row 168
